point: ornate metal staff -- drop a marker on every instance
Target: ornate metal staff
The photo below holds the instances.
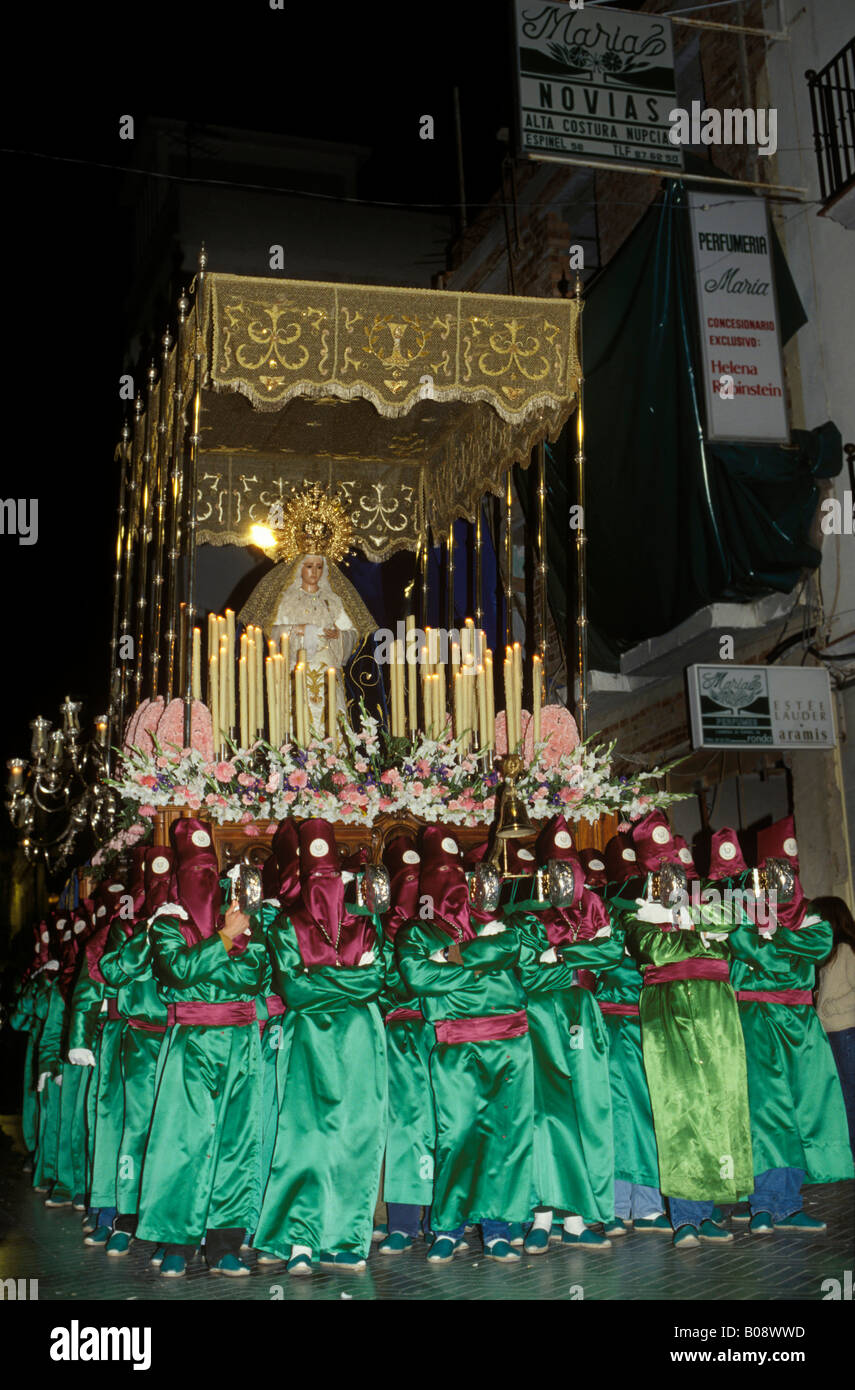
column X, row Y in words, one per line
column 195, row 440
column 130, row 539
column 145, row 534
column 581, row 540
column 123, row 453
column 161, row 476
column 479, row 582
column 509, row 502
column 542, row 561
column 176, row 496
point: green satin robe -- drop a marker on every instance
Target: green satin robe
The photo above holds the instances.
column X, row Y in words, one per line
column 89, row 1027
column 411, row 1131
column 636, row 1157
column 573, row 1147
column 23, row 1019
column 126, row 966
column 331, row 1066
column 798, row 1118
column 694, row 1057
column 270, row 1031
column 70, row 1150
column 483, row 1091
column 49, row 1007
column 202, row 1165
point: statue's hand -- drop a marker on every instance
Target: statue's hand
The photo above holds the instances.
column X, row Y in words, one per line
column 330, row 633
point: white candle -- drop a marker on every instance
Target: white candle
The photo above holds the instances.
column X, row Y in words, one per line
column 214, row 701
column 537, row 695
column 244, row 712
column 331, row 704
column 197, row 663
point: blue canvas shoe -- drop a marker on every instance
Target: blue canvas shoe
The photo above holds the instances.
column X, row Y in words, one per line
column 395, row 1244
column 686, row 1238
column 537, row 1241
column 800, row 1224
column 344, row 1260
column 761, row 1224
column 231, row 1266
column 119, row 1243
column 173, row 1266
column 501, row 1250
column 516, row 1233
column 442, row 1251
column 588, row 1240
column 157, row 1257
column 300, row 1266
column 711, row 1234
column 615, row 1227
column 660, row 1225
column 99, row 1236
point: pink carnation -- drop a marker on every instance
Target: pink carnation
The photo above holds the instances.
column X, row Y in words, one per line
column 624, row 827
column 569, row 795
column 246, row 818
column 424, row 767
column 148, row 810
column 252, row 830
column 418, row 788
column 339, row 779
column 224, row 772
column 390, row 777
column 288, row 797
column 272, row 828
column 297, row 778
column 148, row 781
column 170, row 728
column 386, row 803
column 272, row 783
column 245, row 779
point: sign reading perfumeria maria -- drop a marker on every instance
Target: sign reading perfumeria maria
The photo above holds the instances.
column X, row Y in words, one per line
column 740, row 338
column 596, row 84
column 760, row 706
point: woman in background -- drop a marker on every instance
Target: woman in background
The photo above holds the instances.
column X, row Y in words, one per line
column 835, row 998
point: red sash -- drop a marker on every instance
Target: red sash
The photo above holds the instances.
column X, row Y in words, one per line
column 692, row 969
column 197, row 1014
column 793, row 997
column 275, row 1006
column 402, row 1015
column 145, row 1026
column 113, row 1015
column 484, row 1028
column 622, row 1010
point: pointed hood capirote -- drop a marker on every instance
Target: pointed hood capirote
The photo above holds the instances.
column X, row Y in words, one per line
column 197, row 874
column 620, row 859
column 159, row 886
column 280, row 876
column 595, row 867
column 107, row 902
column 726, row 857
column 403, row 861
column 685, row 857
column 654, row 843
column 442, row 879
column 327, row 932
column 778, row 841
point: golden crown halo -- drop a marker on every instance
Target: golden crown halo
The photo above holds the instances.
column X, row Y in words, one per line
column 311, row 523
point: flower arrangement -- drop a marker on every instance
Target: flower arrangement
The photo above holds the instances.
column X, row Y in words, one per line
column 370, row 773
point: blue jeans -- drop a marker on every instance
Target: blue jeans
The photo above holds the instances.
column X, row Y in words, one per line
column 685, row 1213
column 843, row 1047
column 404, row 1218
column 777, row 1191
column 633, row 1200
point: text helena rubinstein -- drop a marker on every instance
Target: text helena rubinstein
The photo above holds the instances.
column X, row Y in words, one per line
column 76, row 1343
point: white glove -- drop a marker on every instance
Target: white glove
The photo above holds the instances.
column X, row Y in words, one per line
column 708, row 936
column 81, row 1057
column 491, row 929
column 439, row 957
column 653, row 912
column 811, row 921
column 43, row 1077
column 549, row 957
column 367, row 957
column 603, row 932
column 52, row 965
column 58, row 1079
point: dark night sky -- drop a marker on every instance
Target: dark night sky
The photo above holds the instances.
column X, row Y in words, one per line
column 323, row 71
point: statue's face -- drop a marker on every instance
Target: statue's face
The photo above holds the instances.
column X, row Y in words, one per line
column 311, row 571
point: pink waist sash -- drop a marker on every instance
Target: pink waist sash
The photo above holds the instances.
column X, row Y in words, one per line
column 484, row 1028
column 275, row 1006
column 146, row 1026
column 793, row 997
column 687, row 970
column 113, row 1014
column 622, row 1010
column 402, row 1014
column 199, row 1015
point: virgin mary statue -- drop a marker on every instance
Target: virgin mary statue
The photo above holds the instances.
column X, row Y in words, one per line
column 307, row 596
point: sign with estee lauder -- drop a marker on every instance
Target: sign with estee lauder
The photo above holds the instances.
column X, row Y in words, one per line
column 761, row 707
column 595, row 84
column 740, row 336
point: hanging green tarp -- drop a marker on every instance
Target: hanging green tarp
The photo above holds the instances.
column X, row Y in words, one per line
column 674, row 523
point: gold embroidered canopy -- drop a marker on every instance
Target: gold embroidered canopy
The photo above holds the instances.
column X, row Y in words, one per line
column 411, row 404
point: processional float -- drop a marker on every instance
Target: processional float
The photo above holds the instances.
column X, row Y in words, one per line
column 306, row 419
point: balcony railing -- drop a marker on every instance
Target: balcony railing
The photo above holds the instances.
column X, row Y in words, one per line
column 832, row 99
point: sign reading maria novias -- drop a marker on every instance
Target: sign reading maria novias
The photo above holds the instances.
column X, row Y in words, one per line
column 596, row 84
column 760, row 706
column 740, row 333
